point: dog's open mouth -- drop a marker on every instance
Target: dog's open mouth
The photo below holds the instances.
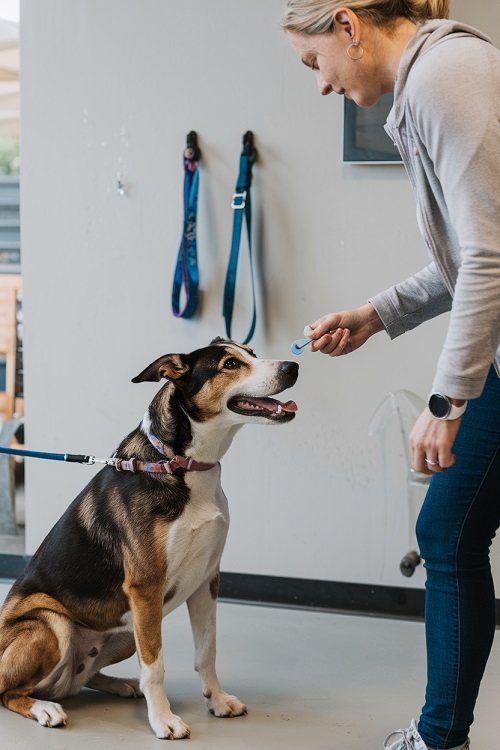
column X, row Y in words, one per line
column 263, row 407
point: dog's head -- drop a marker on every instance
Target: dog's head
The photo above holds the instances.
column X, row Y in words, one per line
column 227, row 378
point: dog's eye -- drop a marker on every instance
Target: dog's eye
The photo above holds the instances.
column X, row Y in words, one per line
column 231, row 364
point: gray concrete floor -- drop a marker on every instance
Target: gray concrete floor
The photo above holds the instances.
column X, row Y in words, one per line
column 311, row 681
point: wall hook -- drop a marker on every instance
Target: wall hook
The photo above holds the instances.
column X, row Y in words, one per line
column 120, row 187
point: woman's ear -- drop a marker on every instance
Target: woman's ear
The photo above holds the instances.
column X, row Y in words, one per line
column 347, row 22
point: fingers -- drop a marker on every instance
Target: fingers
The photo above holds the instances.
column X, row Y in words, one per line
column 431, row 443
column 324, row 325
column 334, row 344
column 436, row 464
column 327, row 337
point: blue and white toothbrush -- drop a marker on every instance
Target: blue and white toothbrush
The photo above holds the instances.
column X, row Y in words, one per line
column 299, row 345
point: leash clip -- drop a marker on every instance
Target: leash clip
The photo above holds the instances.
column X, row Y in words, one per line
column 91, row 460
column 242, row 197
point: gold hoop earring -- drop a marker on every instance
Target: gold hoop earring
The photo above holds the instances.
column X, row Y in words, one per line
column 357, row 46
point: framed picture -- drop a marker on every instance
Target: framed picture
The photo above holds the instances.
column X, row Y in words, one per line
column 364, row 138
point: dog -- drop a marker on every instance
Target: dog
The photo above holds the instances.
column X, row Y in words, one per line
column 138, row 542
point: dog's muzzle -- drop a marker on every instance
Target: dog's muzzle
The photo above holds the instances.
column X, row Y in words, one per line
column 270, row 408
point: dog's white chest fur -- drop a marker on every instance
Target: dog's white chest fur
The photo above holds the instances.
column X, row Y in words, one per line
column 196, row 539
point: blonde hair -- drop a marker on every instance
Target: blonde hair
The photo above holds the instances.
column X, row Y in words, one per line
column 316, row 16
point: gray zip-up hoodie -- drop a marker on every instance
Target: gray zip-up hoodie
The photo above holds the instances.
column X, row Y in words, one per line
column 446, row 124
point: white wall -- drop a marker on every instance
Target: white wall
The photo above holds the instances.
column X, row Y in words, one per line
column 115, row 86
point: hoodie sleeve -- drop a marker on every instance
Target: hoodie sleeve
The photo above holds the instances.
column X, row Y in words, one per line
column 410, row 303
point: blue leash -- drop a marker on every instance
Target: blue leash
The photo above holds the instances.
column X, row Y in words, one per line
column 70, row 457
column 186, row 270
column 242, row 207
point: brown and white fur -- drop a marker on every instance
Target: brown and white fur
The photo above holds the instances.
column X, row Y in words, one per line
column 134, row 546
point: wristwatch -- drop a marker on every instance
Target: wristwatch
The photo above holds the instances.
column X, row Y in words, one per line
column 441, row 407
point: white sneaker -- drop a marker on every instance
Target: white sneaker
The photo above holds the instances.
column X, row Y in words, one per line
column 409, row 739
column 405, row 739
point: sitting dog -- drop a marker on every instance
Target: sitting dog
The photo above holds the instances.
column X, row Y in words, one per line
column 138, row 542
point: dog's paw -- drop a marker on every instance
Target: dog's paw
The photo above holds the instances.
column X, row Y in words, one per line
column 171, row 728
column 126, row 688
column 123, row 687
column 48, row 714
column 226, row 706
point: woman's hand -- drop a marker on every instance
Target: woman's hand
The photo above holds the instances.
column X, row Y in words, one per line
column 432, row 439
column 343, row 332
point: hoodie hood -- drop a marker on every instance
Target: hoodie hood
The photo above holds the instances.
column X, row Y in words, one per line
column 428, row 35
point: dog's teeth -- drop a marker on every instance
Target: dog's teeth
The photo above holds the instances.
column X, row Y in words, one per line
column 280, row 409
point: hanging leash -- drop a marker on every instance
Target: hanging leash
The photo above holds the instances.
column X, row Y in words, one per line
column 186, row 271
column 242, row 208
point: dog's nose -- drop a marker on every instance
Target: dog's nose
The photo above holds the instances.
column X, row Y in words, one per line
column 290, row 368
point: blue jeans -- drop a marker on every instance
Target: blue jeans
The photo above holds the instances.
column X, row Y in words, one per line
column 455, row 528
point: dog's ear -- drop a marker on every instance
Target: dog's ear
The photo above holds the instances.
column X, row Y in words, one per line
column 170, row 366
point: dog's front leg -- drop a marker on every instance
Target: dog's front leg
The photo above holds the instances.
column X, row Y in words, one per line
column 202, row 607
column 146, row 607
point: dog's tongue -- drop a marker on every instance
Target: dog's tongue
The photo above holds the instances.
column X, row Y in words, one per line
column 269, row 404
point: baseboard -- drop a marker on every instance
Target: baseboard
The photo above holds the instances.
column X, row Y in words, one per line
column 299, row 593
column 330, row 596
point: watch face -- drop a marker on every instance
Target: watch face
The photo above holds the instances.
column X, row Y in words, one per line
column 439, row 405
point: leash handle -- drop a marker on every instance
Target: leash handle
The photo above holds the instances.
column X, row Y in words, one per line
column 242, row 208
column 186, row 270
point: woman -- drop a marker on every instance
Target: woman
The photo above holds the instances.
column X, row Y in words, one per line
column 446, row 123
